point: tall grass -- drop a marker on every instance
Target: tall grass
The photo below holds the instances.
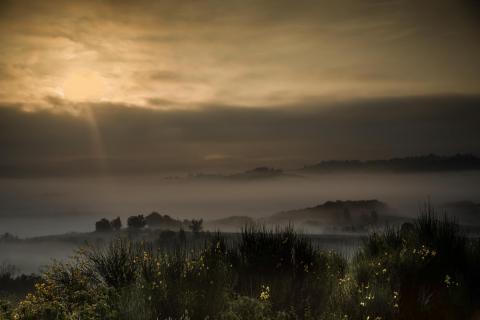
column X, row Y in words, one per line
column 424, row 270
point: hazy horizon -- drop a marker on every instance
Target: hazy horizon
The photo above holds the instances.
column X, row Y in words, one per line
column 33, row 207
column 99, row 100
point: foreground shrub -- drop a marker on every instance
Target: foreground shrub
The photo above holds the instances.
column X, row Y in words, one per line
column 246, row 308
column 298, row 276
column 66, row 292
column 424, row 270
column 5, row 309
column 419, row 271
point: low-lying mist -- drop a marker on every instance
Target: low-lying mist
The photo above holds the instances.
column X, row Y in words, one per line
column 36, row 207
column 33, row 207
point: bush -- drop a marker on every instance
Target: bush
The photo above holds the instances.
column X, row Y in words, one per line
column 66, row 292
column 420, row 271
column 246, row 308
column 298, row 276
column 426, row 270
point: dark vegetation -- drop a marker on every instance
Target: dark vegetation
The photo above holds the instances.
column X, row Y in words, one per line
column 329, row 217
column 357, row 215
column 466, row 211
column 253, row 174
column 417, row 164
column 422, row 270
column 153, row 221
column 428, row 163
column 13, row 287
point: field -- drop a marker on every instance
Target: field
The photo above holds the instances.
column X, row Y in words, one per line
column 423, row 270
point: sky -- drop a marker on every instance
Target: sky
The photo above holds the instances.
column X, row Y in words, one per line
column 176, row 86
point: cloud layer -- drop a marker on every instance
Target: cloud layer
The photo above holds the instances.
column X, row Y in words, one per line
column 120, row 139
column 169, row 54
column 160, row 85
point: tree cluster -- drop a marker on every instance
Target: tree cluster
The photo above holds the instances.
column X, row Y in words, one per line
column 103, row 225
column 153, row 220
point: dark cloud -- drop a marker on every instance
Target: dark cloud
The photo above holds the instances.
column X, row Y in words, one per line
column 137, row 140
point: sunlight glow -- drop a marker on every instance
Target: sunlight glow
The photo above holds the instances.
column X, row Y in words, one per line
column 83, row 85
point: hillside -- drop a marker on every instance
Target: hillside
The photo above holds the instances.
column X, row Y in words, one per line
column 341, row 214
column 258, row 173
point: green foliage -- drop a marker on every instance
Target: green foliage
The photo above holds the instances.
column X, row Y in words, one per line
column 246, row 308
column 114, row 264
column 5, row 309
column 420, row 271
column 66, row 292
column 298, row 276
column 424, row 270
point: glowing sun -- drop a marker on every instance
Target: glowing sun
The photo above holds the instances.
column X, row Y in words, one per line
column 83, row 85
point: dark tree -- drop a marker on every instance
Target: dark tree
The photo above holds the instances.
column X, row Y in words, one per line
column 136, row 222
column 116, row 224
column 103, row 225
column 154, row 219
column 196, row 225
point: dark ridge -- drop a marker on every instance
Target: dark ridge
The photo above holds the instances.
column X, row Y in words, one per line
column 427, row 163
column 358, row 213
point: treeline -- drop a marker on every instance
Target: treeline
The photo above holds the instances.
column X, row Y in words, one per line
column 153, row 221
column 428, row 163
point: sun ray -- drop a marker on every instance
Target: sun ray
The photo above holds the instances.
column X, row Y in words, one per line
column 98, row 149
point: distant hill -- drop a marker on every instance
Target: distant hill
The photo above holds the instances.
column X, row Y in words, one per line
column 416, row 164
column 427, row 163
column 338, row 214
column 258, row 173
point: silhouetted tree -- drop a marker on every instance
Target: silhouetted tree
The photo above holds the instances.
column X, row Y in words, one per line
column 136, row 222
column 103, row 225
column 196, row 225
column 116, row 224
column 6, row 237
column 154, row 219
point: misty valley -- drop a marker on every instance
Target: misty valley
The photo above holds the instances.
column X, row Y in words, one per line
column 337, row 212
column 239, row 160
